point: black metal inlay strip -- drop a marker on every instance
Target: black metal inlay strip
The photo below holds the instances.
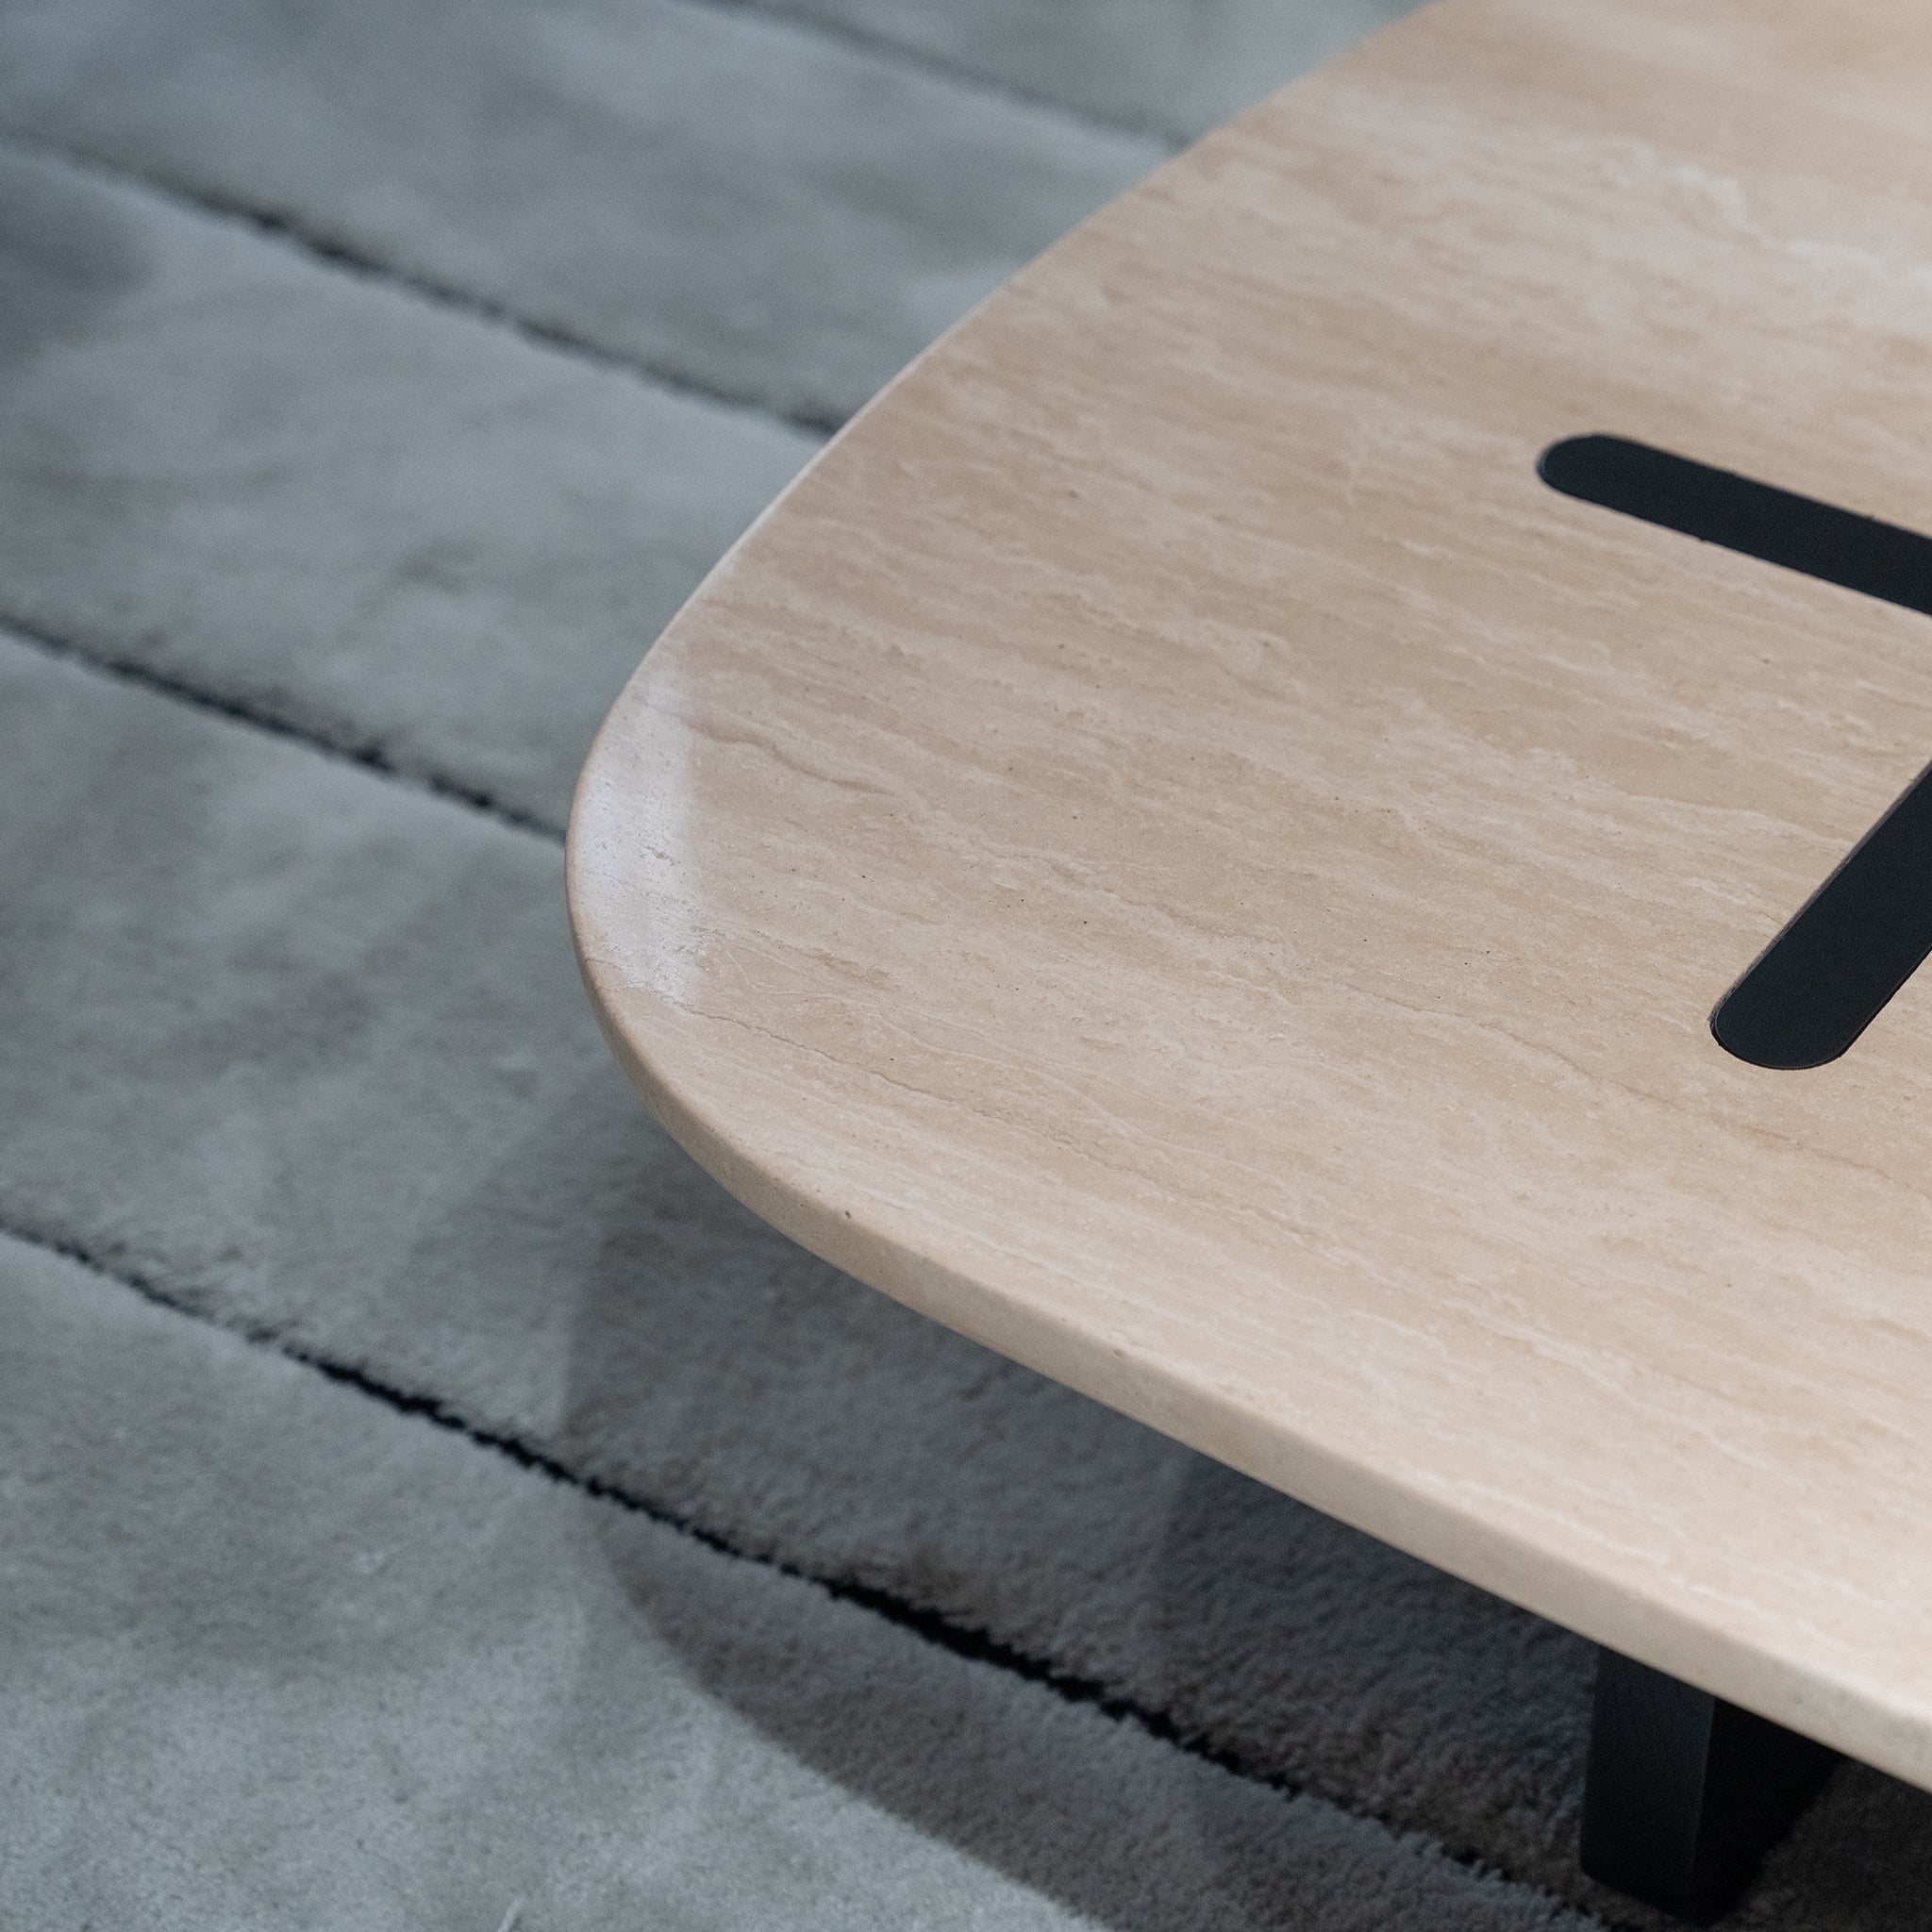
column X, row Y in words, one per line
column 1864, row 932
column 1868, row 928
column 1757, row 519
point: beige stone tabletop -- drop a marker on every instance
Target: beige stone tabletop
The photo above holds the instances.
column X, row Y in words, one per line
column 1172, row 852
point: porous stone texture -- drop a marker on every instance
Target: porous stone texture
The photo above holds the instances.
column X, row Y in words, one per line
column 301, row 1048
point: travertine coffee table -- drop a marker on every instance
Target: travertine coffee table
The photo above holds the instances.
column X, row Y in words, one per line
column 1175, row 850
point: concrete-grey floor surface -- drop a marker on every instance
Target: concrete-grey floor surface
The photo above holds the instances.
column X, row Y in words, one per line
column 425, row 1494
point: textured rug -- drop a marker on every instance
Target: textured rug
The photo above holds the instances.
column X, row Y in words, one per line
column 428, row 1500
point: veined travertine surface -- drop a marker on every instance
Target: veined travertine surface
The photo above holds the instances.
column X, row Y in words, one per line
column 1172, row 852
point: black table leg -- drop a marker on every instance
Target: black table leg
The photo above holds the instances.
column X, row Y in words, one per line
column 1685, row 1793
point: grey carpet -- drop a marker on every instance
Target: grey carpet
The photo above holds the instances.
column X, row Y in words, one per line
column 296, row 1046
column 398, row 527
column 763, row 211
column 1173, row 68
column 312, row 1663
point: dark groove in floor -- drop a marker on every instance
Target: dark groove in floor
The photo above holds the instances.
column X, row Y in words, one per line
column 337, row 253
column 365, row 757
column 962, row 1640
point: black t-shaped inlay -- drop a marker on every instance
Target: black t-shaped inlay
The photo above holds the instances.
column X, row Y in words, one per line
column 1867, row 927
